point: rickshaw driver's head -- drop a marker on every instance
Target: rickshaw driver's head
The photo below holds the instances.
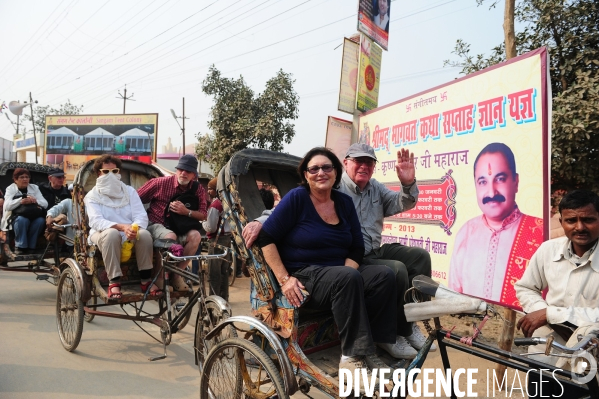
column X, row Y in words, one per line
column 186, row 169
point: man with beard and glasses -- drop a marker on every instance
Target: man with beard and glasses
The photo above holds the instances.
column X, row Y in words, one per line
column 492, row 250
column 159, row 192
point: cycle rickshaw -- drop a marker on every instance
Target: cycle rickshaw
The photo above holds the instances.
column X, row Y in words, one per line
column 44, row 263
column 82, row 287
column 283, row 349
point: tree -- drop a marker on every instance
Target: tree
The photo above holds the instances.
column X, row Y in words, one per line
column 241, row 119
column 570, row 31
column 40, row 113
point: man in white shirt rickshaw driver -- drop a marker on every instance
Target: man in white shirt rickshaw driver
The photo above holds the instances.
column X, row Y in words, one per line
column 373, row 202
column 568, row 267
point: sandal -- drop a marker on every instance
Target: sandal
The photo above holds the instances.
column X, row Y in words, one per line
column 153, row 292
column 160, row 284
column 179, row 284
column 114, row 295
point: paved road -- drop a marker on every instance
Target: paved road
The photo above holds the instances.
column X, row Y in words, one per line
column 111, row 360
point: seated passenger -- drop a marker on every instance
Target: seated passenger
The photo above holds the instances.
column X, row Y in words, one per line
column 313, row 240
column 61, row 213
column 162, row 193
column 25, row 202
column 560, row 286
column 54, row 189
column 112, row 207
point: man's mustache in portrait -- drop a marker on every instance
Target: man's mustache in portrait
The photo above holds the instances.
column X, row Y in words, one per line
column 495, row 198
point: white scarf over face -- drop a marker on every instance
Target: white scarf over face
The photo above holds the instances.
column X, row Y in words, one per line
column 109, row 191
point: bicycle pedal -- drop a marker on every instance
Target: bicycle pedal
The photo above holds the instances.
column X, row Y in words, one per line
column 42, row 277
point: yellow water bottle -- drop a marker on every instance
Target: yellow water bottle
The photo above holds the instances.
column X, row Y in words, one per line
column 128, row 245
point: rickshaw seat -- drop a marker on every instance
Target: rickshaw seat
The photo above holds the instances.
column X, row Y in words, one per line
column 306, row 314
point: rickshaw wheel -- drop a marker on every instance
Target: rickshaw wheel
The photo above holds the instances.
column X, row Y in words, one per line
column 236, row 367
column 69, row 311
column 208, row 319
column 92, row 301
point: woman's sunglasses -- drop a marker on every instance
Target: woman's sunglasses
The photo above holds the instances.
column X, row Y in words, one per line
column 328, row 168
column 107, row 171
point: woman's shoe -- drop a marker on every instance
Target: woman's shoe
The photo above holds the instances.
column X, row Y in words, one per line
column 179, row 284
column 114, row 295
column 160, row 284
column 156, row 292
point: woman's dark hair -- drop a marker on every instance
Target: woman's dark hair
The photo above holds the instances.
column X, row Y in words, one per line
column 106, row 158
column 19, row 172
column 303, row 166
column 577, row 199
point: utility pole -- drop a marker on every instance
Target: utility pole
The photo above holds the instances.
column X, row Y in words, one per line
column 125, row 98
column 33, row 125
column 506, row 339
column 181, row 127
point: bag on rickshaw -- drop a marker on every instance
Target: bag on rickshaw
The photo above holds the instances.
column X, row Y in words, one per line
column 29, row 211
column 181, row 224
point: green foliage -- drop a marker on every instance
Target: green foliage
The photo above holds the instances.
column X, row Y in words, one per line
column 241, row 119
column 41, row 112
column 570, row 31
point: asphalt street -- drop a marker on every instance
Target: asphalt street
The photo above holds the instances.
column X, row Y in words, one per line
column 110, row 361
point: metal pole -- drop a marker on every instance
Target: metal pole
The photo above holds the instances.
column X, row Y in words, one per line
column 183, row 129
column 33, row 125
column 125, row 100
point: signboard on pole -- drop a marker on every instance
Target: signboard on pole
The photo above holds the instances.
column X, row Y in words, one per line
column 373, row 20
column 481, row 152
column 71, row 140
column 338, row 136
column 349, row 76
column 369, row 75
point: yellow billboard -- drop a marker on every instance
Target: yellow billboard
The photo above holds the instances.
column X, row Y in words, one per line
column 369, row 74
column 71, row 140
column 481, row 146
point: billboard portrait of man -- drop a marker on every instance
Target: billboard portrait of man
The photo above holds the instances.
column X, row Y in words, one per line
column 491, row 251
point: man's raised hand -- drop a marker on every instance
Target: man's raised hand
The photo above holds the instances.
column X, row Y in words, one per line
column 406, row 172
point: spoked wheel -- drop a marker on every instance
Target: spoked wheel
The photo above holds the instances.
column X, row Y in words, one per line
column 69, row 311
column 236, row 367
column 209, row 316
column 91, row 302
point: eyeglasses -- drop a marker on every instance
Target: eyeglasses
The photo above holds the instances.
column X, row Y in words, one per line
column 107, row 171
column 23, row 177
column 328, row 168
column 364, row 161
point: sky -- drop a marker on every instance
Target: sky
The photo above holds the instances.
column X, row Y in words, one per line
column 160, row 50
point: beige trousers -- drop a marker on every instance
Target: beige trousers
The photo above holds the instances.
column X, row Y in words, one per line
column 109, row 243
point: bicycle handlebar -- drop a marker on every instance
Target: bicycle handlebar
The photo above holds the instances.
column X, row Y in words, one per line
column 198, row 257
column 542, row 340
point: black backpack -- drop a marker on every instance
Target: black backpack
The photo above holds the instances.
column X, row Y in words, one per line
column 181, row 224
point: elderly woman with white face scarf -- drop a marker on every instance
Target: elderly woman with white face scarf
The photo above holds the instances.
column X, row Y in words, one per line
column 112, row 207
